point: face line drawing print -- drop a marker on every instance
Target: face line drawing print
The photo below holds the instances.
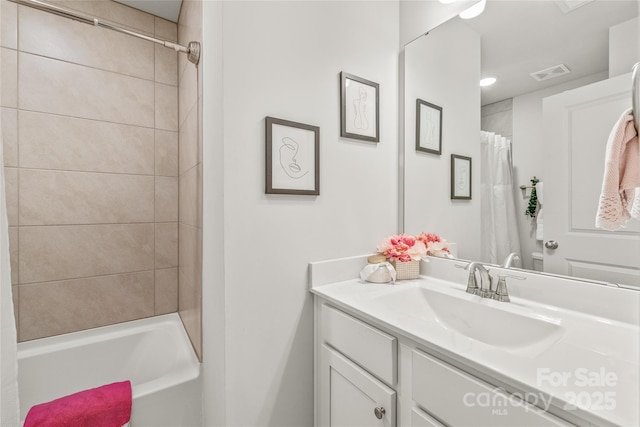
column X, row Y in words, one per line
column 287, row 153
column 360, row 120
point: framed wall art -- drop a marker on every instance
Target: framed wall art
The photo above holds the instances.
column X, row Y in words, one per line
column 359, row 108
column 292, row 157
column 428, row 127
column 460, row 177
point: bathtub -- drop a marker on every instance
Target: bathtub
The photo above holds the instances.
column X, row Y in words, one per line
column 155, row 354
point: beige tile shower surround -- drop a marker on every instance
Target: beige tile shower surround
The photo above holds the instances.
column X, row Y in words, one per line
column 90, row 129
column 190, row 180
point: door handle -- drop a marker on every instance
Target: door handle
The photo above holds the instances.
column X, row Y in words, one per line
column 379, row 412
column 551, row 244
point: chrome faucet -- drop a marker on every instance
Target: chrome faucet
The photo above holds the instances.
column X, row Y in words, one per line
column 472, row 285
column 510, row 259
column 499, row 294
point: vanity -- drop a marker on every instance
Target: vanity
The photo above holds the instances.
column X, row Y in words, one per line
column 424, row 352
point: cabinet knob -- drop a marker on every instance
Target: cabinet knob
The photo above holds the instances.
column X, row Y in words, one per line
column 379, row 412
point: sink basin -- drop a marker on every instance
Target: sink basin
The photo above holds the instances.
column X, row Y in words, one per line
column 477, row 318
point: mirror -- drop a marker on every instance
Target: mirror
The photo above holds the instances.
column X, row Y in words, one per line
column 598, row 42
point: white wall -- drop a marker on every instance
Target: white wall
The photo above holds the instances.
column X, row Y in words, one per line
column 528, row 157
column 443, row 68
column 213, row 267
column 498, row 117
column 624, row 47
column 283, row 59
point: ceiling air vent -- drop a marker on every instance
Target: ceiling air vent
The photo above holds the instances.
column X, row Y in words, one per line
column 551, row 72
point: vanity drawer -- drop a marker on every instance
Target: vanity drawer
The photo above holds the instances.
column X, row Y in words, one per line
column 369, row 347
column 420, row 418
column 457, row 398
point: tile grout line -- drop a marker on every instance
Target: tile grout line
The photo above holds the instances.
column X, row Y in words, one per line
column 95, row 276
column 42, row 169
column 94, row 67
column 93, row 120
column 93, row 224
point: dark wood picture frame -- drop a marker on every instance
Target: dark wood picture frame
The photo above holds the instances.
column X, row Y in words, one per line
column 287, row 175
column 355, row 119
column 425, row 129
column 461, row 178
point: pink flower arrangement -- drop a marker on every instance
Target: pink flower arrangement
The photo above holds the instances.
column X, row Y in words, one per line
column 436, row 246
column 402, row 248
column 405, row 248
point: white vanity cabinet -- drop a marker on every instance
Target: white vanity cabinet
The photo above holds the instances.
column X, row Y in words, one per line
column 357, row 382
column 356, row 373
column 351, row 396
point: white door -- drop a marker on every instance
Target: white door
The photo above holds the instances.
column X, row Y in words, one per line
column 577, row 124
column 351, row 397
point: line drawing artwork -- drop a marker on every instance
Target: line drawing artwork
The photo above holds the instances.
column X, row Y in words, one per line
column 287, row 156
column 460, row 177
column 462, row 180
column 430, row 135
column 428, row 127
column 359, row 108
column 360, row 120
column 292, row 158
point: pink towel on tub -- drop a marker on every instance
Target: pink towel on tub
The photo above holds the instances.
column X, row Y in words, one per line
column 105, row 406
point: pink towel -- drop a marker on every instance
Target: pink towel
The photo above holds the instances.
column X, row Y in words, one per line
column 620, row 198
column 106, row 406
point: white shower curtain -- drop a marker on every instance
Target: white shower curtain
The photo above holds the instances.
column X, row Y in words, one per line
column 499, row 230
column 9, row 408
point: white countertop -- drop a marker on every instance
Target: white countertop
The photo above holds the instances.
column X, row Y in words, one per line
column 588, row 360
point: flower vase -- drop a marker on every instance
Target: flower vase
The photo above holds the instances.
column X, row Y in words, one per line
column 406, row 270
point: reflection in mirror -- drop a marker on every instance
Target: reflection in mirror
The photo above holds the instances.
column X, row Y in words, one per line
column 563, row 74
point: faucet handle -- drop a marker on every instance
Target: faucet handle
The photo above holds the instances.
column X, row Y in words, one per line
column 472, row 285
column 501, row 294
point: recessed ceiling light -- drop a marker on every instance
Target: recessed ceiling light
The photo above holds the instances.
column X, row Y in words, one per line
column 447, row 1
column 474, row 10
column 487, row 81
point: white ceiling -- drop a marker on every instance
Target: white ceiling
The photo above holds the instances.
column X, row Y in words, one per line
column 521, row 37
column 167, row 9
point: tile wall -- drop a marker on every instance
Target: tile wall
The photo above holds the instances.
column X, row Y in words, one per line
column 190, row 178
column 90, row 130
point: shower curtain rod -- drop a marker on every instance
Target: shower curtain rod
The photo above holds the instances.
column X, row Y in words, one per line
column 192, row 50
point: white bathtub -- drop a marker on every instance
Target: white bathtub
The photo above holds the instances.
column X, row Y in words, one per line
column 154, row 354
